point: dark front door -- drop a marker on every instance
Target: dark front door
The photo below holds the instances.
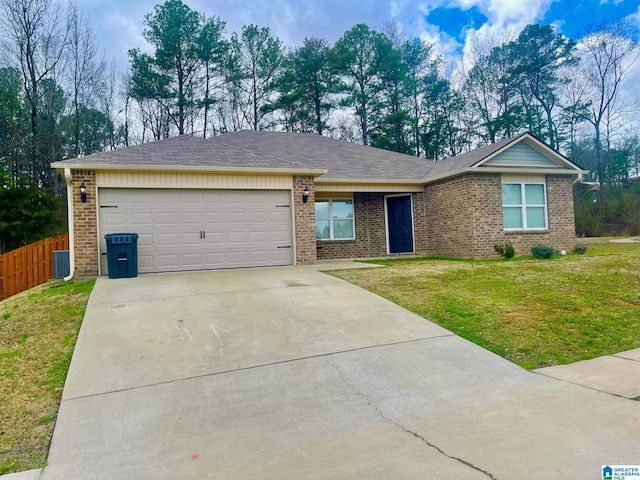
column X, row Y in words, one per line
column 399, row 224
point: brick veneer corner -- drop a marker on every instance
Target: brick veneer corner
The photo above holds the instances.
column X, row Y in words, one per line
column 304, row 216
column 85, row 225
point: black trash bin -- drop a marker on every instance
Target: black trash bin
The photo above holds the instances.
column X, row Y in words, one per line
column 122, row 255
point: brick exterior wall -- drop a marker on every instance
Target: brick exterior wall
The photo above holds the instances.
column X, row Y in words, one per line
column 457, row 217
column 85, row 225
column 368, row 213
column 371, row 235
column 421, row 242
column 450, row 211
column 304, row 218
column 464, row 217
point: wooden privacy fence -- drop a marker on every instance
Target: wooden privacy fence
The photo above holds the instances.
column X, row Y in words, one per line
column 29, row 266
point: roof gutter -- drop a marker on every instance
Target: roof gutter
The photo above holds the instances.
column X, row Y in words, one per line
column 182, row 168
column 369, row 181
column 524, row 171
column 72, row 261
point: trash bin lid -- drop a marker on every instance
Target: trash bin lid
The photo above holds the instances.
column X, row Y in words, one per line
column 115, row 238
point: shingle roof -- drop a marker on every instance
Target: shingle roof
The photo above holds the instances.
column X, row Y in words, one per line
column 342, row 160
column 286, row 151
column 182, row 151
column 268, row 150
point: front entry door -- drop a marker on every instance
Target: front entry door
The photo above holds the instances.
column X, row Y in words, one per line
column 400, row 224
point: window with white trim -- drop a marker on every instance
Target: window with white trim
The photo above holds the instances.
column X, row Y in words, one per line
column 334, row 219
column 524, row 206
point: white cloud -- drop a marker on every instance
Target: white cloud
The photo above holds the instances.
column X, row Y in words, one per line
column 505, row 20
column 516, row 12
column 636, row 18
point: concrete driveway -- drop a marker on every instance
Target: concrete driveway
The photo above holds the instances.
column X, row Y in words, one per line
column 288, row 373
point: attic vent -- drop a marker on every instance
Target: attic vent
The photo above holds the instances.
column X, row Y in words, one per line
column 61, row 266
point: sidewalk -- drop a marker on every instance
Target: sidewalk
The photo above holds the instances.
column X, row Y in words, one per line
column 617, row 374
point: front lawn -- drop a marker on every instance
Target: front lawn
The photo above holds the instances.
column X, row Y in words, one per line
column 532, row 312
column 38, row 331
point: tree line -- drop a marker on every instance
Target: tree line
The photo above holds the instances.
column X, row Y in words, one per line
column 60, row 98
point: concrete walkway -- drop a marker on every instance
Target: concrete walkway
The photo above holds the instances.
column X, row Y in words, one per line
column 290, row 373
column 617, row 374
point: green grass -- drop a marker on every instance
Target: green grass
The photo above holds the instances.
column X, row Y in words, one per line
column 38, row 331
column 532, row 312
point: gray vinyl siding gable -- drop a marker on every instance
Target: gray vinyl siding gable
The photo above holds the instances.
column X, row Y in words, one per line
column 520, row 154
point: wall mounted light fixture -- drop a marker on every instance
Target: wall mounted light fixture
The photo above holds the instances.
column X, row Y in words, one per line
column 83, row 193
column 305, row 194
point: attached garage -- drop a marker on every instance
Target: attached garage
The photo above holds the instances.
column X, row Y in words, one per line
column 199, row 229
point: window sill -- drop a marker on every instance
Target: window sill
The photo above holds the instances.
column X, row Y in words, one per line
column 526, row 232
column 329, row 241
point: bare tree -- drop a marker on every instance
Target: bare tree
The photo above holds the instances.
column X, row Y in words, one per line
column 36, row 34
column 484, row 67
column 608, row 55
column 84, row 71
column 574, row 106
column 108, row 97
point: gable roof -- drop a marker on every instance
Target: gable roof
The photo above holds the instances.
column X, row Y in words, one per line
column 476, row 160
column 331, row 160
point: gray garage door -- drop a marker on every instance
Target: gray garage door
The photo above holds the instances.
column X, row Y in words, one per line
column 200, row 229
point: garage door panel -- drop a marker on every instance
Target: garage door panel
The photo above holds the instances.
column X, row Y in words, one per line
column 191, row 260
column 190, row 218
column 167, row 240
column 213, row 218
column 142, row 218
column 215, row 258
column 235, row 238
column 168, row 262
column 258, row 237
column 242, row 228
column 145, row 262
column 213, row 238
column 166, row 218
column 144, row 239
column 188, row 240
column 238, row 218
column 113, row 218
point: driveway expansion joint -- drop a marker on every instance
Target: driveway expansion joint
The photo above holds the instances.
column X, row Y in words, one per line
column 223, row 292
column 253, row 367
column 402, row 427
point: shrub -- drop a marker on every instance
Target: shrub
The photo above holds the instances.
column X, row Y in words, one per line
column 581, row 249
column 507, row 251
column 542, row 251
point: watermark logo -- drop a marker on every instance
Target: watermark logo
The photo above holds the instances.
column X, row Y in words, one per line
column 621, row 472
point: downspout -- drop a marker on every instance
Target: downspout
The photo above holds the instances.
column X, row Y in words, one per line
column 72, row 261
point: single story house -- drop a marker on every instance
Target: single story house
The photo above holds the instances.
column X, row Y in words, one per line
column 255, row 198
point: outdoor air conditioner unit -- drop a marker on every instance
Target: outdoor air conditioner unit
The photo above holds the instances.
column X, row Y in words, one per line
column 61, row 266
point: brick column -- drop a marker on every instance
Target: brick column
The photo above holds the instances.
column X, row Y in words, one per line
column 304, row 221
column 85, row 225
